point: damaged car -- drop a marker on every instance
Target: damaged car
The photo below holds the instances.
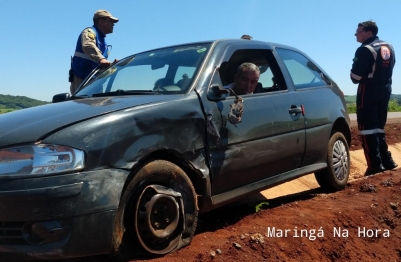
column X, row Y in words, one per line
column 125, row 165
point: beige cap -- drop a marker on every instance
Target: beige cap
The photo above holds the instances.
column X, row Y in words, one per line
column 104, row 13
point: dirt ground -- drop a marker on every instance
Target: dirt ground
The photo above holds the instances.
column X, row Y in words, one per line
column 360, row 223
column 299, row 222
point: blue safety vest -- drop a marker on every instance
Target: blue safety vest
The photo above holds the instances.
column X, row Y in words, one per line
column 82, row 65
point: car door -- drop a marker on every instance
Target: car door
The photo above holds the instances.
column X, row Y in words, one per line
column 315, row 91
column 270, row 139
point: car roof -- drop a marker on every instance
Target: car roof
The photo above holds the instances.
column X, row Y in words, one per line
column 222, row 43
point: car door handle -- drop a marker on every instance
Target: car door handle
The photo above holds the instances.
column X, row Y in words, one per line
column 294, row 110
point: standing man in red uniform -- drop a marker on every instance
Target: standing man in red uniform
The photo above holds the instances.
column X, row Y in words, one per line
column 372, row 71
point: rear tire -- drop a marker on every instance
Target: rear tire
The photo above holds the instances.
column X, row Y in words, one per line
column 158, row 212
column 335, row 176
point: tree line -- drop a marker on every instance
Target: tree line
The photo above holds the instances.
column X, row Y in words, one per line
column 9, row 102
column 352, row 99
column 393, row 106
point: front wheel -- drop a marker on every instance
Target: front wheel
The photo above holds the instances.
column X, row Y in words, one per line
column 158, row 212
column 335, row 176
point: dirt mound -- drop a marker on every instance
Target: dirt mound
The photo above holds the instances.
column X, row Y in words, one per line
column 358, row 163
column 362, row 222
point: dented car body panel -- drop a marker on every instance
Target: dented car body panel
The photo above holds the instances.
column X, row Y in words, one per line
column 120, row 122
column 43, row 120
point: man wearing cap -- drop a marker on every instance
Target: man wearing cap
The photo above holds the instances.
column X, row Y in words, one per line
column 91, row 49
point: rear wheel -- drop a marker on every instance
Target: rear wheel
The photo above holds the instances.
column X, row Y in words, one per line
column 158, row 212
column 335, row 176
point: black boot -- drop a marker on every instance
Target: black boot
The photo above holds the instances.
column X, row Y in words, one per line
column 390, row 164
column 385, row 155
column 374, row 170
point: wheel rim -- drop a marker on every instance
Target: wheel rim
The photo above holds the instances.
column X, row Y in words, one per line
column 158, row 222
column 340, row 160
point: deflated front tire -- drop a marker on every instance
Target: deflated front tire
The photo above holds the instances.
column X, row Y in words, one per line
column 158, row 212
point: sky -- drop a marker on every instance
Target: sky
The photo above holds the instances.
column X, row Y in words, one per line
column 38, row 37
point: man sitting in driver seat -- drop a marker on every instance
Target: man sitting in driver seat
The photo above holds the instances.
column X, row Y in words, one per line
column 183, row 83
column 245, row 80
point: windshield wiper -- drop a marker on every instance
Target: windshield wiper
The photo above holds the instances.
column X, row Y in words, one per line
column 120, row 92
column 78, row 97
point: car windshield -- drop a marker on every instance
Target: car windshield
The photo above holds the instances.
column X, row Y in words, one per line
column 165, row 71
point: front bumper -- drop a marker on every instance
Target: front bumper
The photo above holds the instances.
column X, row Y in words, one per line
column 59, row 216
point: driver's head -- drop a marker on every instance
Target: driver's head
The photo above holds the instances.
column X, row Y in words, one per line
column 246, row 79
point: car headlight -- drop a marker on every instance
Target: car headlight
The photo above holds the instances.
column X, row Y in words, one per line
column 40, row 159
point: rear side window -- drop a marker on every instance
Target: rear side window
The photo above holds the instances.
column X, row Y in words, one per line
column 303, row 72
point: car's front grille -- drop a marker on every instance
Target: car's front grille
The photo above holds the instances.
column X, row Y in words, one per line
column 11, row 233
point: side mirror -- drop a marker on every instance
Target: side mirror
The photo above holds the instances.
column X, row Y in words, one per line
column 61, row 97
column 218, row 90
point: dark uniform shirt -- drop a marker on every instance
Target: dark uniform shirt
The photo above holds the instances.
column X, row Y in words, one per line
column 373, row 63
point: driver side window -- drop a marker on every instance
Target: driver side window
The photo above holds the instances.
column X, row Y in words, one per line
column 270, row 79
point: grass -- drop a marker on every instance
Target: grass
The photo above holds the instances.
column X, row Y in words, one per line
column 393, row 106
column 6, row 110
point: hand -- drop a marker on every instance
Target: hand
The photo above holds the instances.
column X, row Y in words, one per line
column 104, row 63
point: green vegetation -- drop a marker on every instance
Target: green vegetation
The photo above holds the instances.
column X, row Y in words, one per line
column 393, row 106
column 350, row 99
column 351, row 108
column 10, row 103
column 260, row 206
column 6, row 110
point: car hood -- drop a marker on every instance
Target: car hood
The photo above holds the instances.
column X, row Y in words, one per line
column 35, row 123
